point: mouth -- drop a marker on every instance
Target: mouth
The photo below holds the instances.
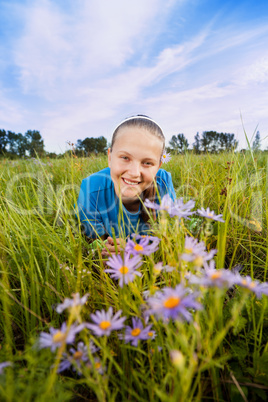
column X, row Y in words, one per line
column 130, row 182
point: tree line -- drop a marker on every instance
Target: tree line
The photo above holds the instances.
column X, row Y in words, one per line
column 32, row 144
column 29, row 144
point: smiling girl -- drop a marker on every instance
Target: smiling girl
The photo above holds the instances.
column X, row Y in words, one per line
column 112, row 199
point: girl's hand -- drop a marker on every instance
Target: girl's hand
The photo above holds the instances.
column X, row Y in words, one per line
column 110, row 246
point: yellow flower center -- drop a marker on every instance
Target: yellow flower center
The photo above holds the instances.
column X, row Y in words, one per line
column 77, row 355
column 59, row 337
column 105, row 324
column 135, row 332
column 98, row 365
column 210, row 215
column 189, row 250
column 164, row 156
column 150, row 333
column 252, row 285
column 172, row 302
column 198, row 261
column 138, row 247
column 215, row 276
column 124, row 270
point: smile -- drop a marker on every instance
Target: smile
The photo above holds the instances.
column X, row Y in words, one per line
column 132, row 183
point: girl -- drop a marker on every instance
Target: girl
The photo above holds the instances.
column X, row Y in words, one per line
column 111, row 200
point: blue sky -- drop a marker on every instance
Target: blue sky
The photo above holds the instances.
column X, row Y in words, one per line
column 75, row 69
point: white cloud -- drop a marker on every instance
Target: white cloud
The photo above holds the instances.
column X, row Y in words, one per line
column 256, row 72
column 11, row 112
column 59, row 52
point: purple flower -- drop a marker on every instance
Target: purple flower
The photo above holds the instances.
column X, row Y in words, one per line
column 253, row 285
column 143, row 247
column 165, row 157
column 124, row 269
column 77, row 357
column 167, row 204
column 206, row 213
column 173, row 303
column 4, row 365
column 221, row 278
column 105, row 322
column 97, row 366
column 74, row 302
column 158, row 268
column 182, row 210
column 154, row 239
column 195, row 252
column 136, row 332
column 59, row 337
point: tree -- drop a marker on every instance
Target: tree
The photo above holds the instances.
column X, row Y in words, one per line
column 209, row 141
column 3, row 141
column 35, row 143
column 227, row 142
column 214, row 142
column 101, row 144
column 197, row 144
column 12, row 142
column 22, row 144
column 179, row 143
column 92, row 145
column 257, row 142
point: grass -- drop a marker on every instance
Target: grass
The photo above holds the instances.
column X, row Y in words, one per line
column 222, row 353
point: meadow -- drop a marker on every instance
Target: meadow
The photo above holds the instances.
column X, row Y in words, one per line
column 189, row 324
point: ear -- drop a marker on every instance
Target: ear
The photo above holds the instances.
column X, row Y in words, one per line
column 109, row 157
column 160, row 165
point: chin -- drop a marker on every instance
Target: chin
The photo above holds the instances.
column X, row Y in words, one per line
column 127, row 196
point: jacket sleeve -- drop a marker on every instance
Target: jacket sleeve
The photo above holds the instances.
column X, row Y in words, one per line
column 90, row 217
column 165, row 185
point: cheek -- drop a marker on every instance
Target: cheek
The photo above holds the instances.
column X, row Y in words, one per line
column 116, row 170
column 150, row 175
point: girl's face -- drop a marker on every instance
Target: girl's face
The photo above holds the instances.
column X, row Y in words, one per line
column 134, row 161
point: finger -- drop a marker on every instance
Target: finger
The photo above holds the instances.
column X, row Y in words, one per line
column 110, row 240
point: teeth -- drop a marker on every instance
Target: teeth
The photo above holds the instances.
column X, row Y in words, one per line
column 130, row 182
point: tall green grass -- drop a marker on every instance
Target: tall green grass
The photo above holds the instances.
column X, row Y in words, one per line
column 223, row 353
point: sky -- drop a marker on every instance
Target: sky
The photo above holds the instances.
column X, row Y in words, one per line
column 73, row 69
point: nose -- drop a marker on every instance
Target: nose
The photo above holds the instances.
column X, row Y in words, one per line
column 135, row 169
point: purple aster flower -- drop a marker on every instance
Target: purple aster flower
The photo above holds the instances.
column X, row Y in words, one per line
column 97, row 365
column 173, row 303
column 74, row 302
column 125, row 268
column 206, row 213
column 153, row 239
column 159, row 267
column 195, row 252
column 105, row 322
column 165, row 157
column 77, row 357
column 136, row 332
column 253, row 285
column 58, row 337
column 182, row 210
column 221, row 278
column 4, row 365
column 143, row 247
column 167, row 204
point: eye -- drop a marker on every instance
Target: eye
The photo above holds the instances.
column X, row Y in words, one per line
column 125, row 158
column 148, row 163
